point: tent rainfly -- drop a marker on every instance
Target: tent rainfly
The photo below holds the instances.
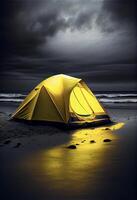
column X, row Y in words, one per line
column 61, row 98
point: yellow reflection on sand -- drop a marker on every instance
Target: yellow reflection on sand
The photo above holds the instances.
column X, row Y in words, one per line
column 97, row 134
column 73, row 170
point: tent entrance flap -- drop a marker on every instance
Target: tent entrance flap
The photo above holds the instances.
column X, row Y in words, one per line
column 79, row 104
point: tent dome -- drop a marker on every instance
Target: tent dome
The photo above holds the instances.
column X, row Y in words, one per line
column 61, row 98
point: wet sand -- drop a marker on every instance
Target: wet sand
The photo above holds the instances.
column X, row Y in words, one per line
column 36, row 163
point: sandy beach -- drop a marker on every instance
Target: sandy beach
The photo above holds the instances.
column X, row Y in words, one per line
column 36, row 163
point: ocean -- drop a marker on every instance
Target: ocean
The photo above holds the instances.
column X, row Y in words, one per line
column 104, row 97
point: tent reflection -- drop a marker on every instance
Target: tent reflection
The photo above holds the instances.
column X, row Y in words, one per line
column 74, row 170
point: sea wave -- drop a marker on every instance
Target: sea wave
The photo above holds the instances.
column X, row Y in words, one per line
column 105, row 100
column 116, row 95
column 11, row 95
column 11, row 100
column 102, row 97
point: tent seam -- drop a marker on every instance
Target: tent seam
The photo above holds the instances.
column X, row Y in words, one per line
column 36, row 103
column 64, row 102
column 53, row 102
column 89, row 91
column 19, row 109
column 70, row 93
column 87, row 101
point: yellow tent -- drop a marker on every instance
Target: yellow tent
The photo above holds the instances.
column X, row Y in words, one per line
column 61, row 98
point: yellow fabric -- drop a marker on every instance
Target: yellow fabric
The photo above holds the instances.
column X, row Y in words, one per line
column 59, row 88
column 45, row 108
column 92, row 99
column 26, row 111
column 56, row 98
column 32, row 94
column 78, row 102
column 56, row 90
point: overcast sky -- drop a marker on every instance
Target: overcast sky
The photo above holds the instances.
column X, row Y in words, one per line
column 92, row 39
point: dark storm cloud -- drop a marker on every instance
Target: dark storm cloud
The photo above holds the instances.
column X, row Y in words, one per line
column 118, row 14
column 82, row 20
column 78, row 37
column 122, row 11
column 28, row 24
